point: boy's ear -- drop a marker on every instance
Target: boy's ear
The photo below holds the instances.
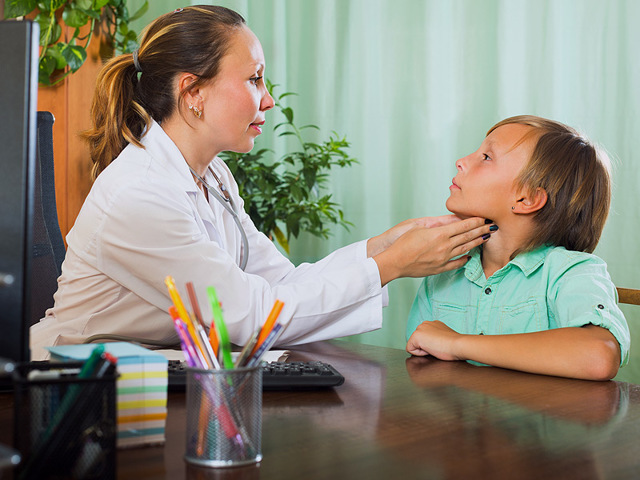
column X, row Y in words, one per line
column 531, row 202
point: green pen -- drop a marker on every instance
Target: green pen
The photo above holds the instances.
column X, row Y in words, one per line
column 225, row 344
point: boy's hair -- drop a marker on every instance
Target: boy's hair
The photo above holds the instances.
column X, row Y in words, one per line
column 576, row 176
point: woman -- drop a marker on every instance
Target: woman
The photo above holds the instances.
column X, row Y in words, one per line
column 168, row 206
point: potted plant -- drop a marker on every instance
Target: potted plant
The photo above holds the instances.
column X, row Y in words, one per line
column 61, row 56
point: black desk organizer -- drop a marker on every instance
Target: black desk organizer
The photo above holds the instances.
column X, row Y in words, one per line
column 65, row 427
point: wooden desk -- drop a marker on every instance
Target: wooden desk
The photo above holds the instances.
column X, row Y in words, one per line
column 398, row 417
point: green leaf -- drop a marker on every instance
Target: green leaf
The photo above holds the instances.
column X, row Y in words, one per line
column 84, row 4
column 130, row 46
column 309, row 177
column 281, row 238
column 92, row 13
column 286, row 133
column 56, row 54
column 46, row 67
column 18, row 8
column 74, row 55
column 50, row 5
column 74, row 18
column 50, row 31
column 287, row 112
column 98, row 4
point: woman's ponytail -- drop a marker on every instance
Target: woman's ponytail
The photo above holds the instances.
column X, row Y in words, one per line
column 118, row 119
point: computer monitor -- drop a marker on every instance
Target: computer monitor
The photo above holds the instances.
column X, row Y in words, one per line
column 18, row 128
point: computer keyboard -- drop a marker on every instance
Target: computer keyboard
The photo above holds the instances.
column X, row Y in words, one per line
column 275, row 375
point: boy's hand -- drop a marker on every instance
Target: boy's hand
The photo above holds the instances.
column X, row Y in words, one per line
column 434, row 338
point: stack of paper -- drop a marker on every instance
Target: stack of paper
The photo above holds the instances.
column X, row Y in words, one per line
column 141, row 389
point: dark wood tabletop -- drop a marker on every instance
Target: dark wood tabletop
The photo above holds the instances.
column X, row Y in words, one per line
column 402, row 417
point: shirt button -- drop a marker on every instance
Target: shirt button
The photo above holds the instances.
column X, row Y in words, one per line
column 487, row 290
column 600, row 306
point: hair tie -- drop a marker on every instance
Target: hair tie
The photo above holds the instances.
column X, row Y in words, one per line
column 136, row 63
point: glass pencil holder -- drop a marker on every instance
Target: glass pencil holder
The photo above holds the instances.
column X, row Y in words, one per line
column 64, row 426
column 224, row 417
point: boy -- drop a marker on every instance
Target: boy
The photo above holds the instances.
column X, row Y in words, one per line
column 531, row 298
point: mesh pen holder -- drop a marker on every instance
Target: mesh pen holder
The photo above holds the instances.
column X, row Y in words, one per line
column 64, row 426
column 224, row 417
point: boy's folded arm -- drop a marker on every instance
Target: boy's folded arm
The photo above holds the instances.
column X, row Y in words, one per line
column 590, row 352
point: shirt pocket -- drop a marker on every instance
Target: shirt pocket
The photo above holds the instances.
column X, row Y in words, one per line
column 453, row 315
column 521, row 318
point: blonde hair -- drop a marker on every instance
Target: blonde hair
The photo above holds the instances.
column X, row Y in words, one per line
column 129, row 95
column 576, row 175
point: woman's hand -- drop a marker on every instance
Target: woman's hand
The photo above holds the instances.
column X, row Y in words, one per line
column 433, row 338
column 379, row 244
column 425, row 246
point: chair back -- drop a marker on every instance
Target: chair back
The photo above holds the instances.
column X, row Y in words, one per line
column 48, row 245
column 628, row 295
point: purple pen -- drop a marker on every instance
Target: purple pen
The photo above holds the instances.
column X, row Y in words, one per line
column 188, row 350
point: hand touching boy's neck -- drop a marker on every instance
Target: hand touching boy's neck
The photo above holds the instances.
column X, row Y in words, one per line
column 514, row 233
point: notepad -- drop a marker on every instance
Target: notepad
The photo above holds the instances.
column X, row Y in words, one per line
column 141, row 389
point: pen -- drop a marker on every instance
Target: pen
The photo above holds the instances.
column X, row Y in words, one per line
column 225, row 344
column 192, row 355
column 195, row 306
column 186, row 318
column 266, row 345
column 268, row 324
column 212, row 342
column 248, row 349
column 106, row 361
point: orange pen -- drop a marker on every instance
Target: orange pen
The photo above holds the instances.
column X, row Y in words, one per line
column 268, row 324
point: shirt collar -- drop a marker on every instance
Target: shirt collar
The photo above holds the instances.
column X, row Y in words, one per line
column 527, row 262
column 167, row 155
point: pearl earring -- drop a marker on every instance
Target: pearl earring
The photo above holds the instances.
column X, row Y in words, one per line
column 196, row 111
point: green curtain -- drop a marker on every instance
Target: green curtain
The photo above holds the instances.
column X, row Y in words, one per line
column 414, row 85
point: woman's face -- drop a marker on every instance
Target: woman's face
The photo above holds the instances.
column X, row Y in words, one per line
column 235, row 102
column 485, row 183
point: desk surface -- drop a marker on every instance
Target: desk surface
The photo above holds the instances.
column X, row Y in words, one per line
column 402, row 417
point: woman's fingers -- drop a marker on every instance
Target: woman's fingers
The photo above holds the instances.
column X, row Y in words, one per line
column 465, row 241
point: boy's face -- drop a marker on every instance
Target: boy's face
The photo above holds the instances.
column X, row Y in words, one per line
column 484, row 185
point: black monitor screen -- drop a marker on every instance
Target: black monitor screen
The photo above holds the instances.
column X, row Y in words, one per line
column 18, row 105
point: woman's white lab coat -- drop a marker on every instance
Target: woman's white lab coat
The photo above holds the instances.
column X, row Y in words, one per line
column 145, row 218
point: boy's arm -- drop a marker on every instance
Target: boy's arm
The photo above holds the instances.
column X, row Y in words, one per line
column 589, row 352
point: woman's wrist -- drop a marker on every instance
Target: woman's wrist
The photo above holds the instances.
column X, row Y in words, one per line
column 375, row 246
column 386, row 267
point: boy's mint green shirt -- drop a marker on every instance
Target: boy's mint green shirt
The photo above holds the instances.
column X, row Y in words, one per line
column 549, row 287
